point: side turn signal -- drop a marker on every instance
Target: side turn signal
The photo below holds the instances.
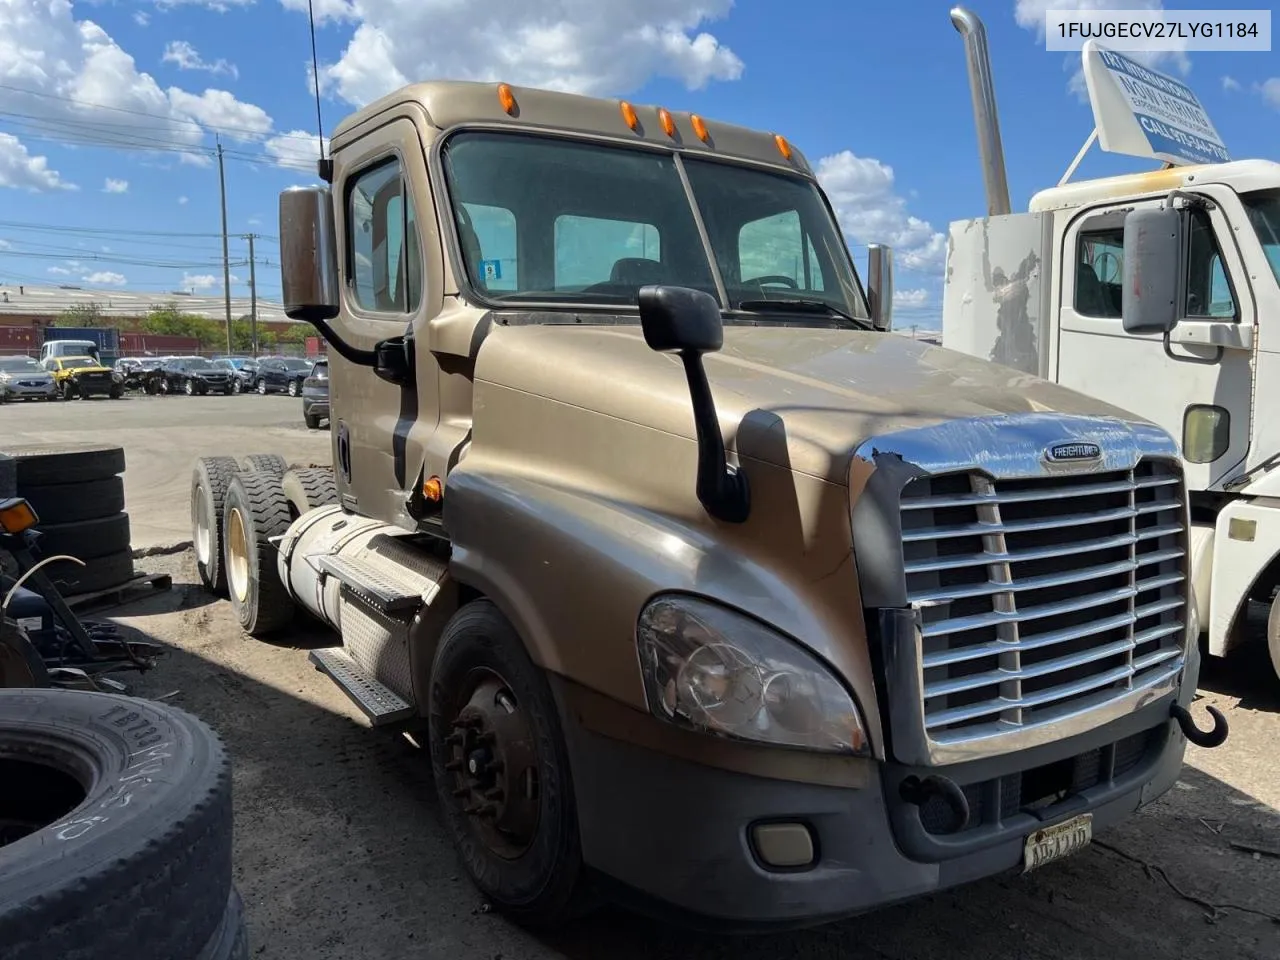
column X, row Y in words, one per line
column 16, row 515
column 432, row 489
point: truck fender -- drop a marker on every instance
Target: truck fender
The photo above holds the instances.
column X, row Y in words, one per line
column 524, row 543
column 1245, row 546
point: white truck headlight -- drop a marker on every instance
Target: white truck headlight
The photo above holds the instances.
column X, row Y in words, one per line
column 709, row 669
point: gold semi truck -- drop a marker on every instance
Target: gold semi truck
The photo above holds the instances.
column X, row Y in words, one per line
column 700, row 587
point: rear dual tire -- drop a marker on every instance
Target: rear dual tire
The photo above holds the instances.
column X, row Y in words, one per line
column 255, row 510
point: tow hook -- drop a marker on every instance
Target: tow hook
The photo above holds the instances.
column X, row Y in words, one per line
column 917, row 792
column 1201, row 738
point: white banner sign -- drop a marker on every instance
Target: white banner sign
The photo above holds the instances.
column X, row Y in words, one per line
column 1144, row 113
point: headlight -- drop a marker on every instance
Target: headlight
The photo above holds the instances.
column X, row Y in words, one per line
column 709, row 669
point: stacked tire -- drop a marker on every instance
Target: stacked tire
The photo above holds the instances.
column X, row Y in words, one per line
column 78, row 495
column 115, row 831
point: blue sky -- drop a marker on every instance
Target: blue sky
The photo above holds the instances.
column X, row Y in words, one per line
column 874, row 93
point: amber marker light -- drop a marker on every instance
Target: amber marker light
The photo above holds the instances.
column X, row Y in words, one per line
column 507, row 98
column 667, row 121
column 629, row 115
column 700, row 128
column 432, row 489
column 784, row 148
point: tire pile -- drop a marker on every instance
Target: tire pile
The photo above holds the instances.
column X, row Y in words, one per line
column 78, row 494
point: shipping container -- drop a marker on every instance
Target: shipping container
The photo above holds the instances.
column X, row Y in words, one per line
column 157, row 345
column 19, row 341
column 107, row 339
column 315, row 347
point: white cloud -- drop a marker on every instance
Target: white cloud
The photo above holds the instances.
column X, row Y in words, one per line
column 61, row 271
column 1270, row 91
column 182, row 201
column 72, row 74
column 21, row 171
column 115, row 186
column 106, row 278
column 871, row 211
column 186, row 57
column 1030, row 15
column 910, row 299
column 297, row 148
column 199, row 281
column 5, row 245
column 219, row 6
column 141, row 18
column 1230, row 83
column 221, row 110
column 572, row 45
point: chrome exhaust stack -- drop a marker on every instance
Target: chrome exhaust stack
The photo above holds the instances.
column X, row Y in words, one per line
column 990, row 147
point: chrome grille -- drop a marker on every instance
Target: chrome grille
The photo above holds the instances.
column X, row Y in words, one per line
column 1043, row 598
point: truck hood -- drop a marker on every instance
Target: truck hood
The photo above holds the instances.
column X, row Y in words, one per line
column 798, row 397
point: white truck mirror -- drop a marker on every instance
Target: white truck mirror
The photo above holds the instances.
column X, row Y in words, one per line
column 1152, row 253
column 880, row 285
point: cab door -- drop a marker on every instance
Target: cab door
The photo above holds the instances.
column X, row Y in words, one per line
column 387, row 238
column 1199, row 385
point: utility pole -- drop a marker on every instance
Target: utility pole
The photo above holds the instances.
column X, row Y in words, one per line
column 253, row 301
column 226, row 264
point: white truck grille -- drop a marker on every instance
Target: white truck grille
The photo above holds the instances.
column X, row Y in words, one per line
column 1040, row 599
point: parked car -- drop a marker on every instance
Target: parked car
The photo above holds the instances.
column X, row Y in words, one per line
column 282, row 374
column 134, row 370
column 84, row 377
column 193, row 376
column 238, row 367
column 315, row 395
column 248, row 374
column 22, row 378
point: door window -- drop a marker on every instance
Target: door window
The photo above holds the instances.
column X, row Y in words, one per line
column 1099, row 273
column 1208, row 294
column 384, row 259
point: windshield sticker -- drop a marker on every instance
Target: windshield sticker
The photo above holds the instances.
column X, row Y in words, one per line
column 491, row 269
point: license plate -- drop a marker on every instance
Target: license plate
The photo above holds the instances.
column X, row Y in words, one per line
column 1054, row 843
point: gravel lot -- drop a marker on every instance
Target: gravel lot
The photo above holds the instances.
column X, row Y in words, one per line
column 339, row 854
column 162, row 437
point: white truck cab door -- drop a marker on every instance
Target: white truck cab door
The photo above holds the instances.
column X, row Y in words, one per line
column 1209, row 360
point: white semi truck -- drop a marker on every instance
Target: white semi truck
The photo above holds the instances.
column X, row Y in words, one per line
column 1158, row 292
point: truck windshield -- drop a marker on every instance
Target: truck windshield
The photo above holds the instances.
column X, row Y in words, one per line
column 560, row 221
column 1264, row 213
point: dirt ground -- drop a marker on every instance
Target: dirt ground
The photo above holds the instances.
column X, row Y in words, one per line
column 339, row 854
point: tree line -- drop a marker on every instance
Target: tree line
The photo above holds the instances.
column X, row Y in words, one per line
column 171, row 320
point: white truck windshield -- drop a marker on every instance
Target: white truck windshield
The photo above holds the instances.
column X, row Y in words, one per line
column 1264, row 213
column 561, row 221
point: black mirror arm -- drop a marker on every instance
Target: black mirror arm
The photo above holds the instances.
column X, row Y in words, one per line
column 361, row 358
column 722, row 490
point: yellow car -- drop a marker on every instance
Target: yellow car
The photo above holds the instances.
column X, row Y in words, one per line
column 83, row 377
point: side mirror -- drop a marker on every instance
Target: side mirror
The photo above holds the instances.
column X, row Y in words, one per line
column 1152, row 254
column 687, row 322
column 308, row 254
column 309, row 266
column 880, row 285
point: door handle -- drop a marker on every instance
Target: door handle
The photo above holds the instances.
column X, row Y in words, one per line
column 1226, row 336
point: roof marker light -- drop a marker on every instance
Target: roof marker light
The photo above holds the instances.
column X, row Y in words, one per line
column 629, row 115
column 700, row 128
column 784, row 148
column 507, row 99
column 668, row 123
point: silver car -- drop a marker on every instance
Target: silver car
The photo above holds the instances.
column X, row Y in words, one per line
column 22, row 378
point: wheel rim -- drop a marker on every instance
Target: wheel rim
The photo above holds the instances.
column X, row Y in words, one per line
column 262, row 386
column 190, row 389
column 203, row 537
column 293, row 389
column 494, row 765
column 237, row 555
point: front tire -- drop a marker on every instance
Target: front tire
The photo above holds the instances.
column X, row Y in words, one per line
column 262, row 388
column 501, row 770
column 293, row 388
column 237, row 386
column 189, row 389
column 1273, row 635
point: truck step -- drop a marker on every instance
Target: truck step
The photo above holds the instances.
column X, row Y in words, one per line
column 379, row 591
column 380, row 704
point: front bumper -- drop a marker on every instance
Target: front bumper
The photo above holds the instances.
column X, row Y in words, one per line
column 318, row 405
column 17, row 391
column 94, row 388
column 674, row 836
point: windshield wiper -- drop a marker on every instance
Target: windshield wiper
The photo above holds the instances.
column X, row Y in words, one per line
column 800, row 305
